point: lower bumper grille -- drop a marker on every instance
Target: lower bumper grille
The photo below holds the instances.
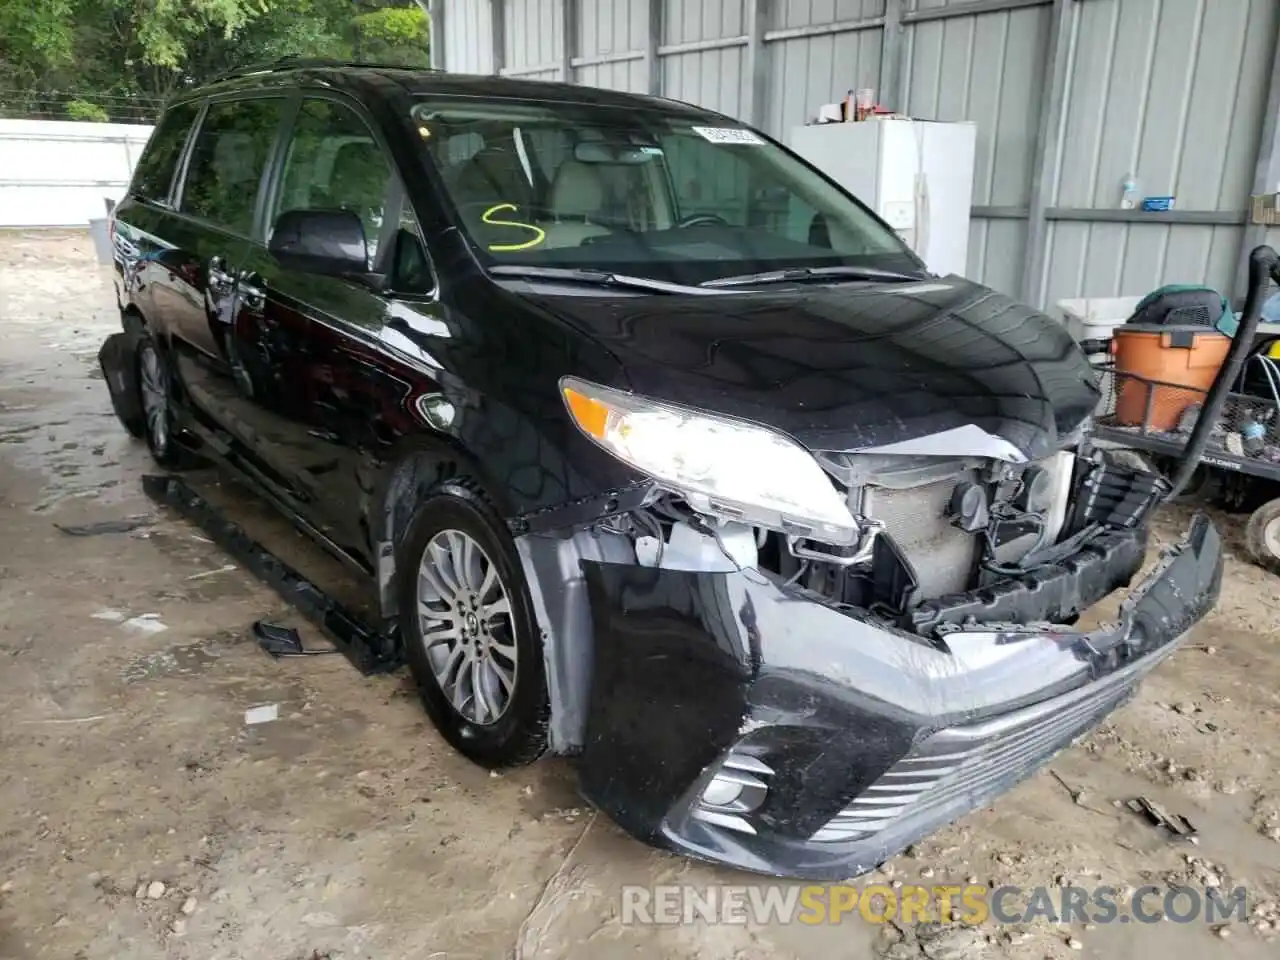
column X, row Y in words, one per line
column 965, row 765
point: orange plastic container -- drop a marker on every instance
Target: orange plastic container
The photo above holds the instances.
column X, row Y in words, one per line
column 1186, row 356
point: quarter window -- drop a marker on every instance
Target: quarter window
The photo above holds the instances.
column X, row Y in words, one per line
column 334, row 163
column 410, row 269
column 226, row 164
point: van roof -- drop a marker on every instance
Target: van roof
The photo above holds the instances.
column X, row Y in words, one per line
column 378, row 81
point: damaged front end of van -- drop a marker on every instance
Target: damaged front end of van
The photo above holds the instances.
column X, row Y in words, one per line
column 802, row 665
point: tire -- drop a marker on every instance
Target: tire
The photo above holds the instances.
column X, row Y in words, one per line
column 1262, row 536
column 1204, row 487
column 160, row 426
column 481, row 677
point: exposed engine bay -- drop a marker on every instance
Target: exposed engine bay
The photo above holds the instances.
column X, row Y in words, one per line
column 943, row 540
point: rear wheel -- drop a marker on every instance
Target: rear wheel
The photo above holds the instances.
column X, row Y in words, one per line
column 1262, row 536
column 159, row 420
column 471, row 640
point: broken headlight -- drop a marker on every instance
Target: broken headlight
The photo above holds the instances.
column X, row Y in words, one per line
column 724, row 467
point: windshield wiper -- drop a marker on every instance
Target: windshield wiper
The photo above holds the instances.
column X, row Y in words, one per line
column 601, row 278
column 791, row 274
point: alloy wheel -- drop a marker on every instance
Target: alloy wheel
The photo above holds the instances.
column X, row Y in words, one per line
column 155, row 397
column 464, row 614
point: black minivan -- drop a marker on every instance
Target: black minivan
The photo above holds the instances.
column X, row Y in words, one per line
column 658, row 447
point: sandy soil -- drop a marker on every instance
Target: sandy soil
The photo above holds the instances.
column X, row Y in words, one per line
column 346, row 828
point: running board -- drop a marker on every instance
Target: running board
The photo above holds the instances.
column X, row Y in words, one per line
column 368, row 650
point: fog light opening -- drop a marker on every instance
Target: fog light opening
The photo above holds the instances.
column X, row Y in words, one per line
column 738, row 787
column 721, row 792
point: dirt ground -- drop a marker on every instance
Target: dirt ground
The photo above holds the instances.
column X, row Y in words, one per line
column 347, row 829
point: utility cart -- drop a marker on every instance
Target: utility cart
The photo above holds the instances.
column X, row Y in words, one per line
column 1220, row 438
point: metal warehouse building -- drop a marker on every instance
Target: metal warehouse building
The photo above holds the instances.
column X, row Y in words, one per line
column 1071, row 98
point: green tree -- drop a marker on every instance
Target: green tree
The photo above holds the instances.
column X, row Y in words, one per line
column 122, row 58
column 84, row 110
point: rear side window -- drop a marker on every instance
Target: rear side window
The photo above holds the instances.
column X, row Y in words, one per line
column 154, row 173
column 227, row 161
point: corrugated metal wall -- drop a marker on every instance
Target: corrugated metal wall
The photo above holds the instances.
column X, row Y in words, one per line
column 468, row 35
column 811, row 70
column 989, row 68
column 714, row 78
column 613, row 30
column 1173, row 92
column 532, row 35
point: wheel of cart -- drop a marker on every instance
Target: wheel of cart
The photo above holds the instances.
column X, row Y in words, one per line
column 1262, row 536
column 1232, row 428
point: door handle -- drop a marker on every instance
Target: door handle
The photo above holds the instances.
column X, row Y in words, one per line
column 217, row 278
column 252, row 297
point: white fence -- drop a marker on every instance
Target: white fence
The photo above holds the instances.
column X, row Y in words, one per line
column 57, row 173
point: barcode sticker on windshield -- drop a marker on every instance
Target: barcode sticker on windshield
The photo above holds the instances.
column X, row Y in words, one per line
column 728, row 135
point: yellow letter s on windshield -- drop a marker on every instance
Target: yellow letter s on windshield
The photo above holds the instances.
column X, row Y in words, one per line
column 511, row 247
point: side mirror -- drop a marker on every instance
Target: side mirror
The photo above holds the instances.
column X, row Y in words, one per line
column 327, row 242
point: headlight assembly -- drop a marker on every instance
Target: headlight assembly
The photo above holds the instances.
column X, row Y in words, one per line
column 720, row 466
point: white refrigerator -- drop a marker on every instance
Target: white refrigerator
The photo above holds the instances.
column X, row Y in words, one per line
column 916, row 174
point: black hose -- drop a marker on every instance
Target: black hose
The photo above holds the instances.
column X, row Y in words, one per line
column 1264, row 265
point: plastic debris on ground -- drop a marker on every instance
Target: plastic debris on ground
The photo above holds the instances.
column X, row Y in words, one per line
column 104, row 526
column 282, row 641
column 263, row 714
column 226, row 568
column 146, row 623
column 1175, row 823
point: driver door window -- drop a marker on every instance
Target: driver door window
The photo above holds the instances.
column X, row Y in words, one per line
column 334, row 163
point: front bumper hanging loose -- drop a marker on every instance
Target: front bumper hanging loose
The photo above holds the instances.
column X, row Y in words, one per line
column 741, row 722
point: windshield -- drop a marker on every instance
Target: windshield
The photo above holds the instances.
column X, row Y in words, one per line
column 645, row 193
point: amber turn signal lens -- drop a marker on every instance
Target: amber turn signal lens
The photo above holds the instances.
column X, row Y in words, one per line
column 592, row 415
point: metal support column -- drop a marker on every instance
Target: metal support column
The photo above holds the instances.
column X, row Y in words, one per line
column 498, row 33
column 892, row 54
column 435, row 34
column 1048, row 149
column 652, row 64
column 1266, row 173
column 757, row 63
column 569, row 31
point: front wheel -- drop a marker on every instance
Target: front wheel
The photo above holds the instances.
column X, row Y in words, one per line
column 471, row 639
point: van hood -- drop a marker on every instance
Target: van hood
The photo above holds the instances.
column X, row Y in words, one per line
column 845, row 367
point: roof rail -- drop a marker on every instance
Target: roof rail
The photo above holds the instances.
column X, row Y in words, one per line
column 296, row 62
